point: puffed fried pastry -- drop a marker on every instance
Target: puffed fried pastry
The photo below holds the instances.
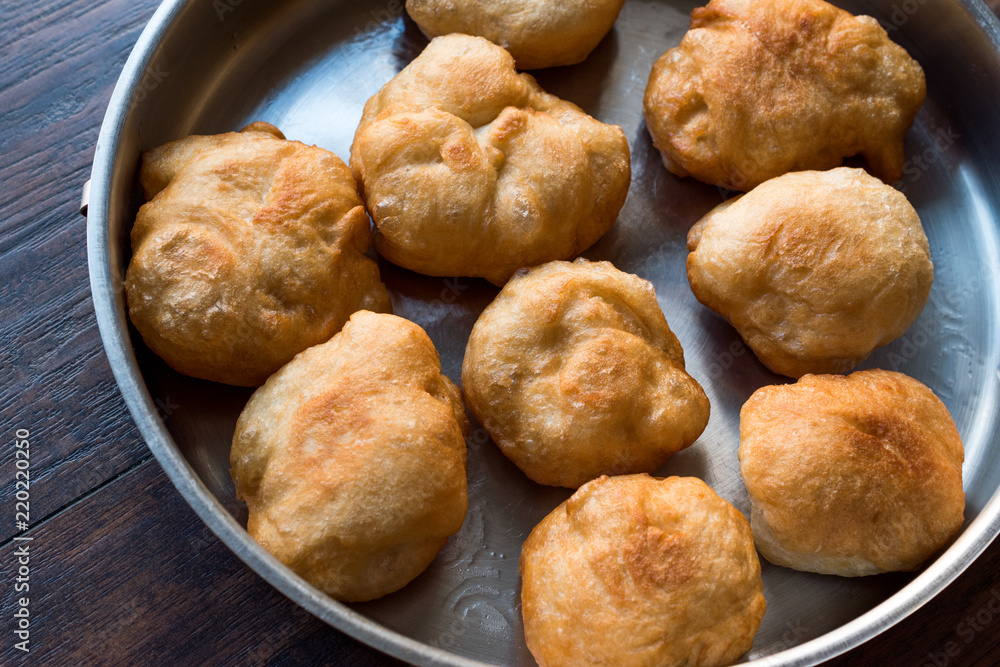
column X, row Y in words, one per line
column 470, row 169
column 538, row 33
column 852, row 475
column 758, row 89
column 249, row 249
column 638, row 571
column 351, row 459
column 814, row 269
column 574, row 373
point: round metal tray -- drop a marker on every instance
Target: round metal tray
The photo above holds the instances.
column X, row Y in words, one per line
column 308, row 66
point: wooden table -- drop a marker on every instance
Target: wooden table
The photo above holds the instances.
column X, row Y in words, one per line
column 121, row 570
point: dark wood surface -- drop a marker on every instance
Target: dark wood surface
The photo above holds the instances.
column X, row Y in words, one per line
column 121, row 570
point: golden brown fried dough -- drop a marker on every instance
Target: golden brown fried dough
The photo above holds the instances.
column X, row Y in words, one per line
column 574, row 373
column 814, row 269
column 538, row 33
column 851, row 475
column 351, row 459
column 758, row 89
column 471, row 169
column 641, row 571
column 250, row 250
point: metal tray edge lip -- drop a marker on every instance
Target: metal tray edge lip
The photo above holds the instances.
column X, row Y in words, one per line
column 109, row 311
column 932, row 580
column 986, row 19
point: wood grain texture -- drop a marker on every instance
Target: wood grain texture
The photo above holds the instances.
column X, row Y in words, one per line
column 123, row 572
column 61, row 60
column 131, row 576
column 961, row 626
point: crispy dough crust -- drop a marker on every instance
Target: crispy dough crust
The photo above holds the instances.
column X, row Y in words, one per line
column 351, row 459
column 546, row 33
column 575, row 373
column 635, row 570
column 249, row 250
column 814, row 269
column 758, row 89
column 470, row 169
column 851, row 475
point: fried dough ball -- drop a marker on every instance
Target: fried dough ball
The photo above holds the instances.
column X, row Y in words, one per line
column 814, row 269
column 351, row 459
column 635, row 570
column 574, row 373
column 758, row 89
column 471, row 169
column 249, row 250
column 538, row 33
column 851, row 475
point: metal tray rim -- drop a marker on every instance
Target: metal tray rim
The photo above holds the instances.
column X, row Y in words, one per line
column 112, row 324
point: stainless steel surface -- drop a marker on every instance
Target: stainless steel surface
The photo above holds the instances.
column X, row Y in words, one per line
column 308, row 66
column 85, row 197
